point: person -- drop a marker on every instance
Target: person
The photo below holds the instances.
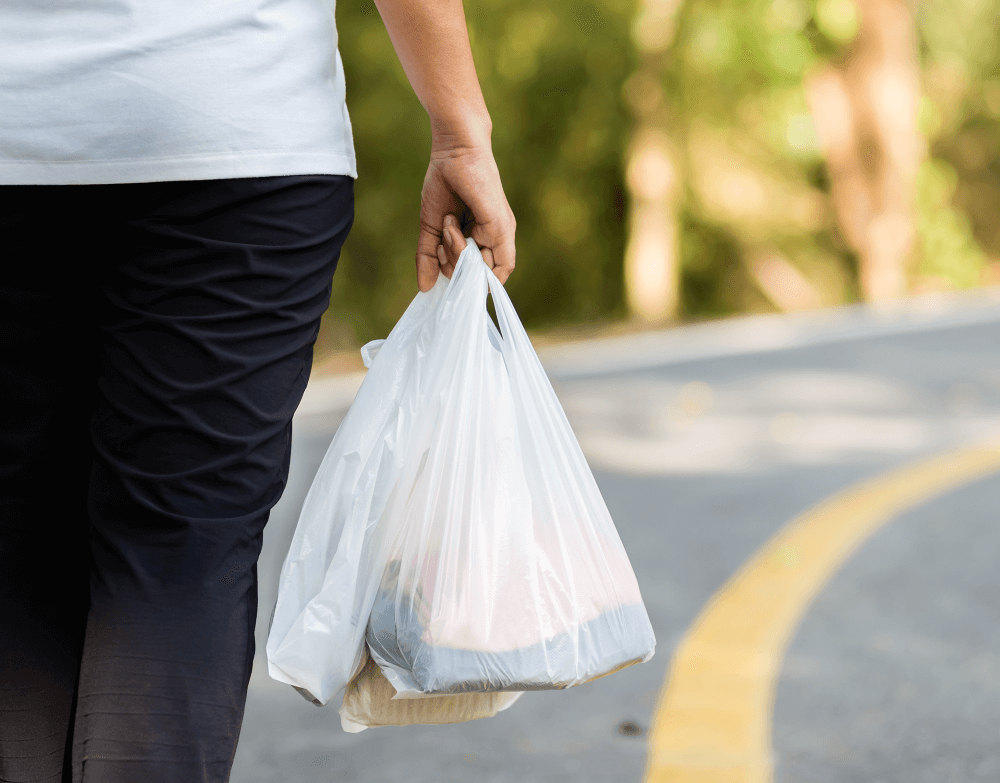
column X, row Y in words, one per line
column 176, row 185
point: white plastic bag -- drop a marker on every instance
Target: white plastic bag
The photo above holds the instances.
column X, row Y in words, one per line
column 454, row 526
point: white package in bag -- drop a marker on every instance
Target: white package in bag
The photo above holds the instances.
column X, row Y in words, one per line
column 454, row 530
column 370, row 700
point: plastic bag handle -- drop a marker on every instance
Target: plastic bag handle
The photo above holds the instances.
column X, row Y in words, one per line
column 513, row 336
column 511, row 329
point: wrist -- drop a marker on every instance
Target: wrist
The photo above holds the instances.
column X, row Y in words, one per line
column 464, row 128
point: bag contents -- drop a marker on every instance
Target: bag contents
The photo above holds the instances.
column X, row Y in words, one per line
column 369, row 701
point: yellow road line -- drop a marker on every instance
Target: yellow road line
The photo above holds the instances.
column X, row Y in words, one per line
column 713, row 721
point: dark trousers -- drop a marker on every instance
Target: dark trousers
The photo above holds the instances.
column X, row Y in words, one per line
column 155, row 340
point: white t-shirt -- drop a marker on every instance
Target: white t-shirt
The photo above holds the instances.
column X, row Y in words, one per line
column 109, row 91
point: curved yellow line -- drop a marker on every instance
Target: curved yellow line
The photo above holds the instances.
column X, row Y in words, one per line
column 713, row 721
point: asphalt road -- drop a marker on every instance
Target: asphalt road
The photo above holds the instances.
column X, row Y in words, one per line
column 705, row 441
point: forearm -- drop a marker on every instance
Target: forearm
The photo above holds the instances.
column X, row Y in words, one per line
column 432, row 42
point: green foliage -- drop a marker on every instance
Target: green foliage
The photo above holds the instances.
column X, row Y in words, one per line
column 551, row 75
column 753, row 176
column 961, row 117
column 713, row 279
column 948, row 249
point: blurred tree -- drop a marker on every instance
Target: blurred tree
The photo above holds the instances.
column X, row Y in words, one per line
column 663, row 157
column 652, row 252
column 757, row 232
column 769, row 218
column 866, row 108
column 958, row 191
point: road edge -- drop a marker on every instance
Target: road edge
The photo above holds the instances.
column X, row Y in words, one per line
column 728, row 337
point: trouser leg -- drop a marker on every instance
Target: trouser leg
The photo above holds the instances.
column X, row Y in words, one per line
column 47, row 392
column 214, row 296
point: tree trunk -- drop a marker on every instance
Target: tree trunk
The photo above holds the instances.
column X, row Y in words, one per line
column 652, row 253
column 866, row 117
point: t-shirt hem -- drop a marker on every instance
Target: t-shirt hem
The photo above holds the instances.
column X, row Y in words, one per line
column 188, row 167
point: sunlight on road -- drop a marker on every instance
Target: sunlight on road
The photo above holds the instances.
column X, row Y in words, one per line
column 659, row 427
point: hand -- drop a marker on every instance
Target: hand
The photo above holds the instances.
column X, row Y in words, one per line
column 463, row 182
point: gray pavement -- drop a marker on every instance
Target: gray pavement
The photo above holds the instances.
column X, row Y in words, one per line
column 895, row 673
column 701, row 456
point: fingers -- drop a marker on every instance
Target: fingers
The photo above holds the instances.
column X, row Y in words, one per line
column 495, row 238
column 428, row 269
column 452, row 245
column 435, row 201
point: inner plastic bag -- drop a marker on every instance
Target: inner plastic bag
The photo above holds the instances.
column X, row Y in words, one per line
column 454, row 531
